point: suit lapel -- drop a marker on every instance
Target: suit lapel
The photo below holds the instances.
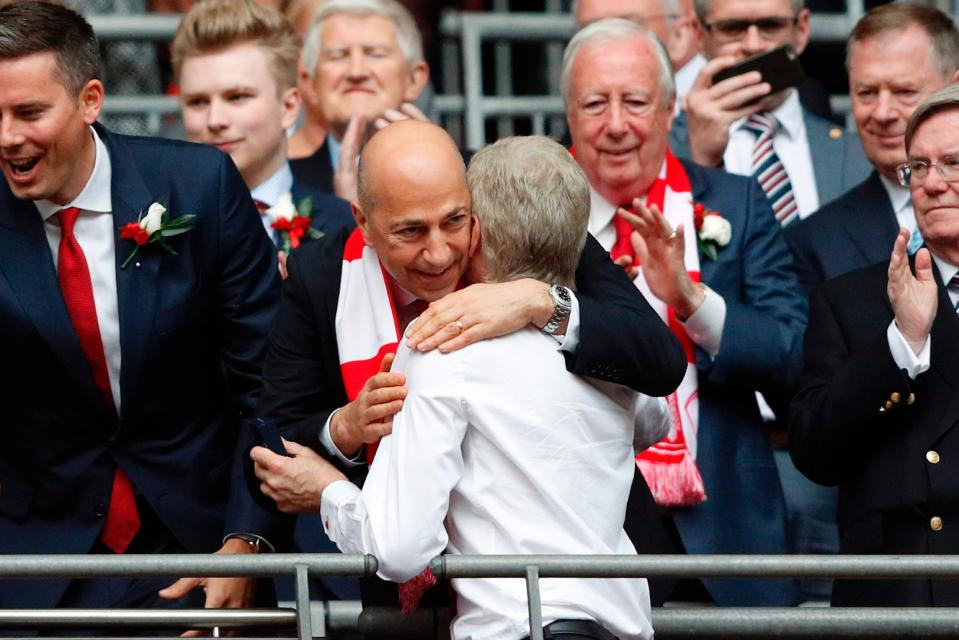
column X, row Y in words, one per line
column 700, row 190
column 137, row 285
column 826, row 155
column 26, row 262
column 871, row 223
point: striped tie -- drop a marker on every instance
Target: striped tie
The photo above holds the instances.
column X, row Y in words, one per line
column 769, row 170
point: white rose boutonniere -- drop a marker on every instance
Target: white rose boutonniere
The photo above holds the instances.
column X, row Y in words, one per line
column 713, row 232
column 292, row 221
column 153, row 228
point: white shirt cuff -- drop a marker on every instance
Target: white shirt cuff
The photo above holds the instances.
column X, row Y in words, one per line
column 705, row 326
column 334, row 497
column 570, row 341
column 327, row 441
column 903, row 355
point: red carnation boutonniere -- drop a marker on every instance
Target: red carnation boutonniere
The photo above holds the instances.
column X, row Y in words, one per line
column 153, row 228
column 713, row 232
column 292, row 222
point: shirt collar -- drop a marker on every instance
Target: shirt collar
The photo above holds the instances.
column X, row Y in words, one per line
column 401, row 297
column 601, row 211
column 899, row 196
column 270, row 190
column 95, row 195
column 333, row 146
column 789, row 114
column 946, row 269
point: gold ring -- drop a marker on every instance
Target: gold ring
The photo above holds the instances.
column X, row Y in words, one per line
column 672, row 235
column 459, row 327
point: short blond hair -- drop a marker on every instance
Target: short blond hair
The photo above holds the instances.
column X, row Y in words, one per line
column 532, row 203
column 212, row 26
column 945, row 99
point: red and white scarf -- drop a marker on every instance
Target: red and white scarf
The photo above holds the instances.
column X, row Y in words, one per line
column 669, row 466
column 367, row 328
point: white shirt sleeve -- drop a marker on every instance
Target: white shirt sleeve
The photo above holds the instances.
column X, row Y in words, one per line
column 326, row 440
column 705, row 326
column 398, row 516
column 652, row 422
column 902, row 353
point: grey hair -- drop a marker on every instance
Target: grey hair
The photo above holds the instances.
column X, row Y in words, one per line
column 702, row 7
column 532, row 203
column 616, row 29
column 670, row 8
column 944, row 99
column 407, row 33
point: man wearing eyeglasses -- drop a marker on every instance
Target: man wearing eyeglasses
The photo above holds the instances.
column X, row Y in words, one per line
column 897, row 54
column 877, row 408
column 730, row 123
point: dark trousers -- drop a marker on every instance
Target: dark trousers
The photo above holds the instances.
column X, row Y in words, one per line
column 576, row 630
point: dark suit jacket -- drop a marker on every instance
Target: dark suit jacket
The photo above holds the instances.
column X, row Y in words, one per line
column 192, row 333
column 760, row 350
column 855, row 231
column 838, row 160
column 843, row 435
column 330, row 214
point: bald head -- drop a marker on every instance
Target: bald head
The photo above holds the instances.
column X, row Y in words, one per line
column 414, row 207
column 410, row 153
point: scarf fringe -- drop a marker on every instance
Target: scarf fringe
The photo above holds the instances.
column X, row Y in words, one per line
column 411, row 591
column 676, row 483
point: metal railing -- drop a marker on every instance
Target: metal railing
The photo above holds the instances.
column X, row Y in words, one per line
column 669, row 623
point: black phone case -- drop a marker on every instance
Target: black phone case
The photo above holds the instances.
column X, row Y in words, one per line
column 780, row 67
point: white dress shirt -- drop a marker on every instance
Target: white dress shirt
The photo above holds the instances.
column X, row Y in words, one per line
column 95, row 231
column 705, row 326
column 516, row 456
column 685, row 78
column 901, row 201
column 269, row 191
column 405, row 303
column 902, row 353
column 792, row 147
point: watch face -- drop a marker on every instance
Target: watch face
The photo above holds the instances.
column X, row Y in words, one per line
column 562, row 293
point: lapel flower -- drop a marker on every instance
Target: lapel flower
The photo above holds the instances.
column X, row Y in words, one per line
column 153, row 228
column 713, row 232
column 292, row 222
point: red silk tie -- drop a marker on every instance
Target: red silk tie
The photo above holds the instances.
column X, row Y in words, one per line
column 623, row 245
column 122, row 521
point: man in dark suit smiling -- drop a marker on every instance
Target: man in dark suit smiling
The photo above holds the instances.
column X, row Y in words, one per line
column 122, row 416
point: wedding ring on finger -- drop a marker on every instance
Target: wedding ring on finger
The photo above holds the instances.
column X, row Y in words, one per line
column 459, row 327
column 671, row 236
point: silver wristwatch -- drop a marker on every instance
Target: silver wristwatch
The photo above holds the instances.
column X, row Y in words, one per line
column 563, row 302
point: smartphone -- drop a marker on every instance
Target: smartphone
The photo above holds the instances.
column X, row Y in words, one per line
column 780, row 67
column 269, row 436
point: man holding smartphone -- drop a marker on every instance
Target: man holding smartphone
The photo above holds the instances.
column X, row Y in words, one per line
column 730, row 123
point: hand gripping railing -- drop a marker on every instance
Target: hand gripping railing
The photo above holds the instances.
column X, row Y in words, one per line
column 301, row 566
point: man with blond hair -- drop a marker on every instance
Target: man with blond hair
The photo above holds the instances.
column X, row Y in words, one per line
column 497, row 442
column 236, row 64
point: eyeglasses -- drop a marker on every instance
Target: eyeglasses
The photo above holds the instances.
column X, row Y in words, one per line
column 770, row 28
column 915, row 172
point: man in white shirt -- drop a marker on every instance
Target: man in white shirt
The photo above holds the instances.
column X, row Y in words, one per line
column 673, row 22
column 876, row 408
column 514, row 454
column 728, row 124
